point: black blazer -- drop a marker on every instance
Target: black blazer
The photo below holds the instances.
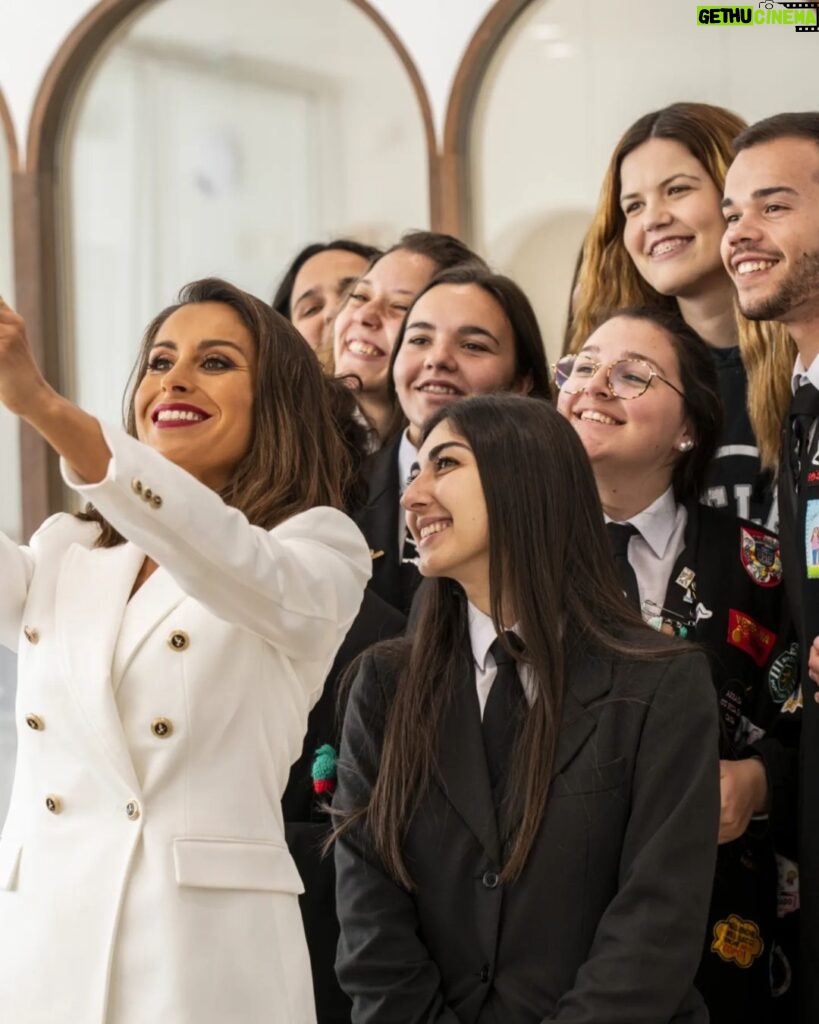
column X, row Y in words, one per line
column 605, row 925
column 378, row 519
column 306, row 824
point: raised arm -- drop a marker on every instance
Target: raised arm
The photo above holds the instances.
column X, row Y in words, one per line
column 649, row 941
column 382, row 963
column 298, row 586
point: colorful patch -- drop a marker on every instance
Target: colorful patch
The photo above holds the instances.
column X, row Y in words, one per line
column 737, row 941
column 787, row 896
column 686, row 578
column 812, row 477
column 782, row 674
column 323, row 770
column 812, row 539
column 760, row 555
column 749, row 636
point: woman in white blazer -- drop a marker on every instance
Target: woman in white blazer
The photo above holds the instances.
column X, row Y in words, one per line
column 171, row 643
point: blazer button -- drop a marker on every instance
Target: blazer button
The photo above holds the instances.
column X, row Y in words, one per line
column 485, row 973
column 132, row 810
column 35, row 722
column 178, row 640
column 156, row 501
column 53, row 803
column 490, row 879
column 136, row 486
column 31, row 634
column 162, row 727
column 147, row 494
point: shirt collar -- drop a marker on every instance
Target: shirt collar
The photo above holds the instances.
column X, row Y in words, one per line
column 802, row 376
column 482, row 634
column 657, row 522
column 407, row 454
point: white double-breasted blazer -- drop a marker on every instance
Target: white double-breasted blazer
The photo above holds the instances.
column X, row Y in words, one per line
column 143, row 871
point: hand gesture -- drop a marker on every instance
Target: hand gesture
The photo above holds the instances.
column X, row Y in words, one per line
column 22, row 386
column 743, row 787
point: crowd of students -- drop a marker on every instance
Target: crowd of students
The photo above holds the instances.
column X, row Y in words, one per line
column 537, row 738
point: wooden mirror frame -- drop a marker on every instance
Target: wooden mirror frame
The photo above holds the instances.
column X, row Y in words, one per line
column 36, row 193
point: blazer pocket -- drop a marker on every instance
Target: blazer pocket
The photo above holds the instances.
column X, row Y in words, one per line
column 235, row 864
column 597, row 779
column 9, row 861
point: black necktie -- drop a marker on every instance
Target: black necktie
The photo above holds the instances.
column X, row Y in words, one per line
column 619, row 536
column 802, row 415
column 503, row 712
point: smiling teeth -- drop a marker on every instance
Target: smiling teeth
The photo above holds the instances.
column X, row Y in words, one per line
column 749, row 266
column 179, row 414
column 597, row 417
column 361, row 348
column 438, row 389
column 663, row 247
column 431, row 528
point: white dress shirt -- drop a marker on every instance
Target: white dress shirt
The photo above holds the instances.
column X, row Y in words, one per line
column 654, row 549
column 482, row 635
column 802, row 376
column 407, row 455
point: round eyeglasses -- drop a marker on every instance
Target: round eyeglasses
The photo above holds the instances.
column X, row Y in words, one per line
column 625, row 378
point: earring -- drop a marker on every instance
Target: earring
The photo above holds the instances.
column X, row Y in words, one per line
column 685, row 446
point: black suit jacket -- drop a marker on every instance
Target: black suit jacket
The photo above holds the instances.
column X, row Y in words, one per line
column 803, row 595
column 605, row 925
column 306, row 823
column 378, row 520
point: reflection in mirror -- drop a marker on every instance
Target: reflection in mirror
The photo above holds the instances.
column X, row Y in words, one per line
column 220, row 139
column 10, row 500
column 565, row 83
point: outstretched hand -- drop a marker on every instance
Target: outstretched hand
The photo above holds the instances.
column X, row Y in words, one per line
column 22, row 385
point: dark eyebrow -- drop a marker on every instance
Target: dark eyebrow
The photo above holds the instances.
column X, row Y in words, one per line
column 763, row 193
column 666, row 181
column 203, row 345
column 466, row 330
column 311, row 293
column 436, row 451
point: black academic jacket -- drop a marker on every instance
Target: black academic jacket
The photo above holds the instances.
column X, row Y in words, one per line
column 803, row 596
column 605, row 924
column 306, row 822
column 726, row 587
column 377, row 519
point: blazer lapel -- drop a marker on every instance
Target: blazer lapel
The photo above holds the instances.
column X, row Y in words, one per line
column 463, row 774
column 588, row 680
column 92, row 590
column 155, row 600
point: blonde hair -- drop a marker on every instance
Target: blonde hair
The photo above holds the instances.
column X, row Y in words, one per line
column 607, row 278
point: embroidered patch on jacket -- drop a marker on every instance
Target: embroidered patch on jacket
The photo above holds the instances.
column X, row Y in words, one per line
column 782, row 674
column 760, row 557
column 787, row 896
column 323, row 770
column 812, row 539
column 737, row 941
column 794, row 702
column 749, row 636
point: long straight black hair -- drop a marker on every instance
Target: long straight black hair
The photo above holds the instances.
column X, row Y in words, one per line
column 549, row 561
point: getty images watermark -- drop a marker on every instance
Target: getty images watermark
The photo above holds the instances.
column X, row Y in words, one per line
column 804, row 17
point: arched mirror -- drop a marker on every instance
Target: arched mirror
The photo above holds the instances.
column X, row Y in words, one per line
column 562, row 86
column 218, row 139
column 10, row 500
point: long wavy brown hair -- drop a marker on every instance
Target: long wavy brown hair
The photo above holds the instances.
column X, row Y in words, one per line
column 297, row 458
column 550, row 560
column 608, row 278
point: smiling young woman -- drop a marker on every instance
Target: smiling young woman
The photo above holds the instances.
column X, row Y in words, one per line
column 469, row 332
column 642, row 395
column 655, row 242
column 527, row 786
column 172, row 640
column 316, row 283
column 367, row 325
